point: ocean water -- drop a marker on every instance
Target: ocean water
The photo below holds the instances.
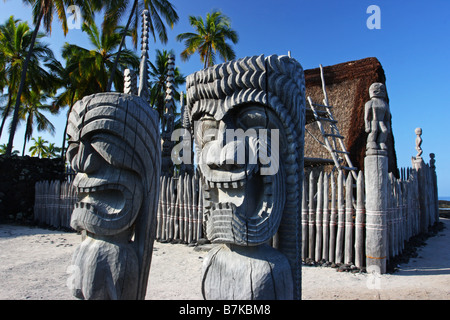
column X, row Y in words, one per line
column 444, row 198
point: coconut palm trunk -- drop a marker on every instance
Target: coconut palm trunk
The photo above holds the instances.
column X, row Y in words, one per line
column 23, row 76
column 116, row 61
column 63, row 147
column 7, row 110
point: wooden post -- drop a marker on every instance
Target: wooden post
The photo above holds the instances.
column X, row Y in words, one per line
column 36, row 212
column 401, row 216
column 359, row 221
column 333, row 220
column 166, row 207
column 160, row 210
column 376, row 186
column 199, row 206
column 420, row 167
column 349, row 224
column 187, row 180
column 390, row 221
column 341, row 219
column 430, row 191
column 194, row 204
column 326, row 219
column 434, row 185
column 311, row 218
column 305, row 220
column 319, row 218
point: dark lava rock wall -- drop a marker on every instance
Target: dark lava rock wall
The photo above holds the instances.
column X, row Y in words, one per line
column 18, row 176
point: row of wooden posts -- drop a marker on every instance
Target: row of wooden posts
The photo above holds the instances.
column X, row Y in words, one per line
column 180, row 213
column 179, row 216
column 334, row 221
column 333, row 211
column 54, row 203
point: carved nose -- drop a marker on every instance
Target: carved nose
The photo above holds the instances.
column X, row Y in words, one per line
column 229, row 154
column 87, row 160
column 212, row 158
column 228, row 157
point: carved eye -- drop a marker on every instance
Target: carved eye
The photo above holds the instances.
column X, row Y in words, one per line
column 252, row 118
column 209, row 130
column 72, row 150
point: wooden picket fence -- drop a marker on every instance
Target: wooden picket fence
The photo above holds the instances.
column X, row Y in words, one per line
column 54, row 202
column 179, row 216
column 333, row 212
column 180, row 209
column 333, row 215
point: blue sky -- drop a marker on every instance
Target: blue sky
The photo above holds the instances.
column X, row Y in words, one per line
column 413, row 46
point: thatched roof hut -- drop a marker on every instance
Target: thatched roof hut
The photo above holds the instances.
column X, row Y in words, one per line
column 347, row 86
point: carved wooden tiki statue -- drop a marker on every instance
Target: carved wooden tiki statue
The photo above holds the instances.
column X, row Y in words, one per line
column 114, row 147
column 248, row 118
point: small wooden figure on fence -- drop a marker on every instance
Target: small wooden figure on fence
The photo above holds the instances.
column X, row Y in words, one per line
column 419, row 150
column 377, row 118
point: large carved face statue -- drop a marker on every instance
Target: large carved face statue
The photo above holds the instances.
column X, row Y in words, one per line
column 249, row 184
column 248, row 202
column 238, row 156
column 107, row 149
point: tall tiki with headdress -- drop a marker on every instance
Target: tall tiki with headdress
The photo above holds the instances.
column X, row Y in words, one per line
column 248, row 119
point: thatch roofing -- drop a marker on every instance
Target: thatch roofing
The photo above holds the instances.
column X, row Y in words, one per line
column 347, row 86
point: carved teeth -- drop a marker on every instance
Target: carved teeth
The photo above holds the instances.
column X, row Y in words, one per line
column 224, row 185
column 92, row 189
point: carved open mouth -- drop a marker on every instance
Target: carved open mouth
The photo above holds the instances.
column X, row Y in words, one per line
column 107, row 201
column 106, row 207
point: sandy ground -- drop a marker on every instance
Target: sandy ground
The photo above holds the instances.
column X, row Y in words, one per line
column 34, row 263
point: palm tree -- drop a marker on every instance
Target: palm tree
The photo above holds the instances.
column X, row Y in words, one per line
column 72, row 92
column 3, row 150
column 90, row 69
column 51, row 151
column 38, row 147
column 158, row 77
column 44, row 10
column 157, row 9
column 210, row 38
column 15, row 38
column 87, row 71
column 31, row 113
